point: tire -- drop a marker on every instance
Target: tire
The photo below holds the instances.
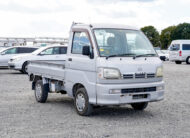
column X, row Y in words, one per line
column 24, row 67
column 188, row 60
column 81, row 102
column 139, row 106
column 41, row 91
column 21, row 71
column 178, row 62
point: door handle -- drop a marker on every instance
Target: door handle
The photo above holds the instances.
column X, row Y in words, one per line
column 69, row 59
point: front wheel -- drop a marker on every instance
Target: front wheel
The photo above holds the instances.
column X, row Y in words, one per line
column 139, row 106
column 81, row 102
column 188, row 60
column 41, row 91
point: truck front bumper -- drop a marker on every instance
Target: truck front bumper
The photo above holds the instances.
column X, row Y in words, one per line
column 116, row 94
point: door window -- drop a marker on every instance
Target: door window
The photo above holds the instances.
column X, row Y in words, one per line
column 26, row 50
column 63, row 50
column 80, row 39
column 56, row 50
column 48, row 51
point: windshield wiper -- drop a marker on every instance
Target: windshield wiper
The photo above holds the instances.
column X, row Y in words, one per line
column 143, row 55
column 120, row 55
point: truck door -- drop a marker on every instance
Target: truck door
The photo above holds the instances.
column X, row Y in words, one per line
column 81, row 67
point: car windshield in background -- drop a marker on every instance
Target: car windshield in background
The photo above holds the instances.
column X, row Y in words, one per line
column 174, row 47
column 186, row 47
column 116, row 42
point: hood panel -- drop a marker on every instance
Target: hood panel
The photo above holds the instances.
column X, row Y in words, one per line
column 128, row 65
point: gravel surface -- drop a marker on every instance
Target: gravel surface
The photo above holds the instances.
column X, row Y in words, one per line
column 21, row 116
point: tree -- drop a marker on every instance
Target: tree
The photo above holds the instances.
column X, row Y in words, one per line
column 165, row 36
column 182, row 31
column 152, row 34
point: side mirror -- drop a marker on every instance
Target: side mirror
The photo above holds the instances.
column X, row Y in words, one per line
column 86, row 50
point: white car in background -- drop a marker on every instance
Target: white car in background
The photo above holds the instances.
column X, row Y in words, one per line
column 163, row 54
column 49, row 53
column 8, row 53
column 180, row 51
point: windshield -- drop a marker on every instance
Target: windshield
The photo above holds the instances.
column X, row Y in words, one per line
column 122, row 42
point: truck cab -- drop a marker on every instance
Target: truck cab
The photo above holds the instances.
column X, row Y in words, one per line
column 109, row 65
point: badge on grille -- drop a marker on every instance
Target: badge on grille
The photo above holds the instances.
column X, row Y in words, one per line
column 139, row 69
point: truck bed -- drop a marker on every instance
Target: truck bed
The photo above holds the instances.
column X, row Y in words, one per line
column 49, row 69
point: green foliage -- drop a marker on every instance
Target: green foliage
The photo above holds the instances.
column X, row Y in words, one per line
column 165, row 36
column 182, row 31
column 152, row 34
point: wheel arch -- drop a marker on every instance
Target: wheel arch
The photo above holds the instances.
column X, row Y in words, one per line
column 77, row 86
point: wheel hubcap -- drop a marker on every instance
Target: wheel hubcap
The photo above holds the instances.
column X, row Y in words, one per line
column 80, row 102
column 38, row 91
column 189, row 60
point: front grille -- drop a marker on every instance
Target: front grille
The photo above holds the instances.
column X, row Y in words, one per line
column 139, row 75
column 127, row 76
column 138, row 90
column 150, row 75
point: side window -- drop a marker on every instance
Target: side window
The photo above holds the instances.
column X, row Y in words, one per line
column 56, row 50
column 22, row 50
column 48, row 51
column 186, row 47
column 11, row 51
column 63, row 50
column 80, row 39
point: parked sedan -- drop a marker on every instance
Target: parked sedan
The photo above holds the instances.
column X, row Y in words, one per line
column 49, row 53
column 8, row 53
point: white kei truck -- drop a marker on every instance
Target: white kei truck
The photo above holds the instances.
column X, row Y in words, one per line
column 105, row 65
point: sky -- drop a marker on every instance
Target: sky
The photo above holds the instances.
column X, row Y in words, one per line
column 53, row 18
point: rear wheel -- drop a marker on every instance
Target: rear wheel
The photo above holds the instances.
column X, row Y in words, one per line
column 41, row 91
column 178, row 62
column 188, row 60
column 81, row 102
column 25, row 68
column 139, row 106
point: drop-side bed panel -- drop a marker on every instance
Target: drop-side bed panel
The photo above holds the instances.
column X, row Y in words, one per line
column 49, row 69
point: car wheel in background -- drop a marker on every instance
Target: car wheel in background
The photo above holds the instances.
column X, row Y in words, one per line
column 178, row 62
column 41, row 91
column 25, row 67
column 188, row 60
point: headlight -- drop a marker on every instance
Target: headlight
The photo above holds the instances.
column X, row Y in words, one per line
column 16, row 59
column 108, row 73
column 159, row 72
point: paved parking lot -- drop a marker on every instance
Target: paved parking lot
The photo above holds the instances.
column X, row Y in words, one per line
column 22, row 116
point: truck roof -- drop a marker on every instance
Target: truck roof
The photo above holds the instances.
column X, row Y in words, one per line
column 116, row 26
